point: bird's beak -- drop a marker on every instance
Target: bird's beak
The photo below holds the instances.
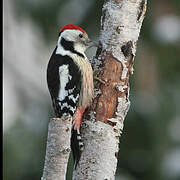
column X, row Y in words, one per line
column 90, row 43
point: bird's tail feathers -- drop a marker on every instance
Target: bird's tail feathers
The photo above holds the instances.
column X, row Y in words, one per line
column 77, row 145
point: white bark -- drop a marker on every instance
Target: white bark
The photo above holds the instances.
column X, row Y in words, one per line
column 57, row 149
column 99, row 158
column 120, row 27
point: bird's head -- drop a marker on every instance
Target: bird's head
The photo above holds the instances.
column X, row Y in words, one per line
column 72, row 36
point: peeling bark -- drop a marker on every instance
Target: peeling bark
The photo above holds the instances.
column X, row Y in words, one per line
column 103, row 123
column 57, row 149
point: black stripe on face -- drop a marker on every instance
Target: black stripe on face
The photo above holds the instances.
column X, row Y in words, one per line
column 69, row 45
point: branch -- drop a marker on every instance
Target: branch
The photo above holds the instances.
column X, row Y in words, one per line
column 57, row 149
column 103, row 124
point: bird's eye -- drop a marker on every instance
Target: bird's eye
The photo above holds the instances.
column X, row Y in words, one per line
column 80, row 35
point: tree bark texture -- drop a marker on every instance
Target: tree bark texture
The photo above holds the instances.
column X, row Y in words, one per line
column 103, row 123
column 57, row 149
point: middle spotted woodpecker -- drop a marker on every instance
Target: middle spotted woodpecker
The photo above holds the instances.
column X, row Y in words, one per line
column 70, row 80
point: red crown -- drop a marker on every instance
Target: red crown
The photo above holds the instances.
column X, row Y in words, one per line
column 71, row 26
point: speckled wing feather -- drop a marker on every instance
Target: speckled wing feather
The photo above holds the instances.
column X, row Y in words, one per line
column 64, row 83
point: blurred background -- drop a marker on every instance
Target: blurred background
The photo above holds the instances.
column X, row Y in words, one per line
column 150, row 143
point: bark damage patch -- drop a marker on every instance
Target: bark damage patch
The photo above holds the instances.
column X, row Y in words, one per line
column 142, row 9
column 106, row 103
column 128, row 53
column 127, row 49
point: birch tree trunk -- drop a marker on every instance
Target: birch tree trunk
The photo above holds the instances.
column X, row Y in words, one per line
column 57, row 149
column 103, row 122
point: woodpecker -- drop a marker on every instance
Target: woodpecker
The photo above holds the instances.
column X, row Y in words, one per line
column 70, row 80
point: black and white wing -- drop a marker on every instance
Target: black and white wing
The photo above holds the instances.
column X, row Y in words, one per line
column 64, row 83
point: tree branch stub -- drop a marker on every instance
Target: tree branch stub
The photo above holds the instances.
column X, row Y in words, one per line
column 57, row 148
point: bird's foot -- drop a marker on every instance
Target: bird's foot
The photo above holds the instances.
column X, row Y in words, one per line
column 100, row 80
column 96, row 74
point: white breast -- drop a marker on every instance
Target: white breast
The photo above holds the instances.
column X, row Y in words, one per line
column 87, row 88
